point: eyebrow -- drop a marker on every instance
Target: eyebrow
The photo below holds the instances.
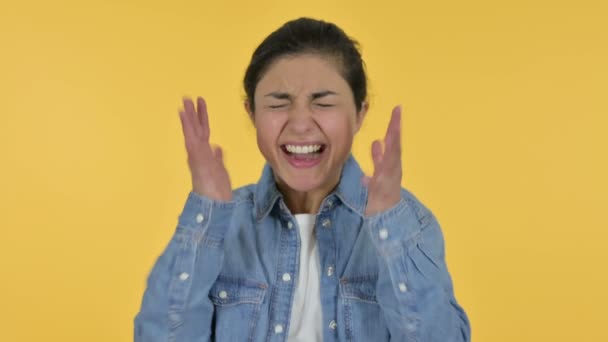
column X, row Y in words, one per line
column 313, row 96
column 322, row 94
column 278, row 96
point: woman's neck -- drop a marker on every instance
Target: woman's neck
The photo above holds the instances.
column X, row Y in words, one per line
column 306, row 202
column 303, row 202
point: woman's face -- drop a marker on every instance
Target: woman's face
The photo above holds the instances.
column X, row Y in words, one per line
column 305, row 117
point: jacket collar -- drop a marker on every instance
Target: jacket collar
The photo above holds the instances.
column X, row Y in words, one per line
column 349, row 191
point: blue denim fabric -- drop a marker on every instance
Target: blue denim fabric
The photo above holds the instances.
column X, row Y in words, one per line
column 220, row 278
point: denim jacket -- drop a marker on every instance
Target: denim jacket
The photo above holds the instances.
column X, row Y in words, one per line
column 220, row 278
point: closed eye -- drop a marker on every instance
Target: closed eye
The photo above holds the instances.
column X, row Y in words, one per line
column 277, row 106
column 324, row 105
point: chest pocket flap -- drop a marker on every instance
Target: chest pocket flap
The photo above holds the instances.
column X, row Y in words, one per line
column 228, row 291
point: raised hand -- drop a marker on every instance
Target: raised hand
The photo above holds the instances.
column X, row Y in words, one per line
column 384, row 186
column 209, row 175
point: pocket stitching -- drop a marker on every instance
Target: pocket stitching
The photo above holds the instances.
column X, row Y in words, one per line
column 349, row 289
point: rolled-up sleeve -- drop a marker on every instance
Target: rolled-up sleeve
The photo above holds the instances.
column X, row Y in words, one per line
column 414, row 288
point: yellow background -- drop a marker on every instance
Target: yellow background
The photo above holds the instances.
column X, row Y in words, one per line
column 505, row 120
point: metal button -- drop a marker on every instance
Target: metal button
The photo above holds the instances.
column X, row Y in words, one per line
column 383, row 234
column 184, row 276
column 326, row 223
column 333, row 325
column 330, row 271
column 289, row 225
column 278, row 329
column 286, row 277
column 199, row 218
column 402, row 287
column 223, row 294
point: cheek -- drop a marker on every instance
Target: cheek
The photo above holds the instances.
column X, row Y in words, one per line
column 267, row 131
column 338, row 129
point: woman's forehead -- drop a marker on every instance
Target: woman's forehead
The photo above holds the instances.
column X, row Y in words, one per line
column 302, row 75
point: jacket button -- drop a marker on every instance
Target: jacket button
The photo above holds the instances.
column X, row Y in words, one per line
column 199, row 218
column 383, row 234
column 333, row 325
column 278, row 329
column 223, row 294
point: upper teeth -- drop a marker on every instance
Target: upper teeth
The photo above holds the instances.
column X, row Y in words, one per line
column 303, row 149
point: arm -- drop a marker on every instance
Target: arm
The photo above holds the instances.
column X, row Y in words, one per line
column 175, row 304
column 414, row 286
column 170, row 311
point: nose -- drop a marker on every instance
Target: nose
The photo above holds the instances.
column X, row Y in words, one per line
column 300, row 119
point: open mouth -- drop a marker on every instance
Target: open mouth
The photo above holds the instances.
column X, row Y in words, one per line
column 303, row 150
column 304, row 155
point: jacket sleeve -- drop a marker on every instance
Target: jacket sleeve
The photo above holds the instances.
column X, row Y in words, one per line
column 175, row 304
column 414, row 286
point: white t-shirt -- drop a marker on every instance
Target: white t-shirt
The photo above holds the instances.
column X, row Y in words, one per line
column 306, row 315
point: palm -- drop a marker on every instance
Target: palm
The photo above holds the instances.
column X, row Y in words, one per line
column 209, row 175
column 384, row 186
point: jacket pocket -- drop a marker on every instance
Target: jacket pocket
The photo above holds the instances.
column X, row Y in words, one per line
column 361, row 315
column 237, row 303
column 359, row 288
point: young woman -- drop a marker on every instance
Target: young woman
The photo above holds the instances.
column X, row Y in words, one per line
column 316, row 250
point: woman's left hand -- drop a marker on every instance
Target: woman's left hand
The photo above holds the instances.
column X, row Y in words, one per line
column 384, row 186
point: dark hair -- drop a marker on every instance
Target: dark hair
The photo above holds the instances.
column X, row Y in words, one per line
column 306, row 35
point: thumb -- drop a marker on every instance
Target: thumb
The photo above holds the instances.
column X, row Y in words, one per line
column 377, row 153
column 218, row 154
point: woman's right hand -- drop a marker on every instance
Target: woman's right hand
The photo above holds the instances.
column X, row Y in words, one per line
column 209, row 175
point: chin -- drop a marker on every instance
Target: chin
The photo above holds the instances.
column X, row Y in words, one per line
column 300, row 180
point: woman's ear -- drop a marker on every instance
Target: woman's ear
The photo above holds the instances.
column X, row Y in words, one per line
column 249, row 109
column 361, row 114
